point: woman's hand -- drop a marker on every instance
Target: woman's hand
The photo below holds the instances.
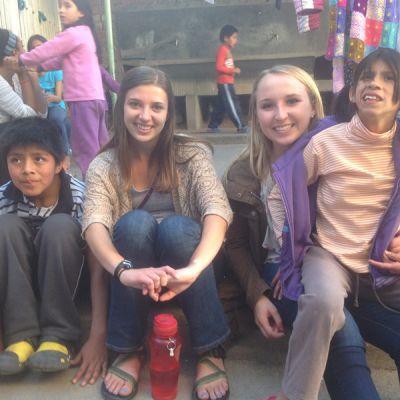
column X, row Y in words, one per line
column 391, row 257
column 92, row 361
column 149, row 280
column 268, row 319
column 183, row 279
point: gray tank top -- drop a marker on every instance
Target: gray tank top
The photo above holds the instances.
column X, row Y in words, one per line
column 159, row 204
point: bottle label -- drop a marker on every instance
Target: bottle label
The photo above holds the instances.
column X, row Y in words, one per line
column 171, row 346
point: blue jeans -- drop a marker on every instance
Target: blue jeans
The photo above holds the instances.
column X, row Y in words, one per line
column 380, row 327
column 347, row 375
column 58, row 115
column 147, row 243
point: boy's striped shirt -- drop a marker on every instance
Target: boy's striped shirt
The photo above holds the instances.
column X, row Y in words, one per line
column 72, row 195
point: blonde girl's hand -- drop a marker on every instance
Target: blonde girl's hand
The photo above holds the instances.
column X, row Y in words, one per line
column 268, row 319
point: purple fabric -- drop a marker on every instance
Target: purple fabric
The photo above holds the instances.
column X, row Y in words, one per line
column 74, row 51
column 88, row 130
column 300, row 207
column 291, row 177
column 109, row 83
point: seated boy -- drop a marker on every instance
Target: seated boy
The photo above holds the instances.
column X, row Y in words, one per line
column 42, row 256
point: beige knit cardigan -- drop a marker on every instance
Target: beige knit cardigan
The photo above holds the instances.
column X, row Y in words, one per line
column 198, row 194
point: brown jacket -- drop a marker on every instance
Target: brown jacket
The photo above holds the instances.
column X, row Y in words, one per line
column 246, row 234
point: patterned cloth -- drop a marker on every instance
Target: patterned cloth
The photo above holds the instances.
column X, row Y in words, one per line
column 356, row 28
column 308, row 14
column 306, row 23
column 308, row 7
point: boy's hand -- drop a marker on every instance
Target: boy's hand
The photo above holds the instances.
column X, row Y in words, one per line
column 92, row 360
column 237, row 70
column 391, row 257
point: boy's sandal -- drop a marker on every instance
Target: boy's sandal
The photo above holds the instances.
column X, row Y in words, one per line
column 13, row 359
column 218, row 373
column 50, row 357
column 115, row 370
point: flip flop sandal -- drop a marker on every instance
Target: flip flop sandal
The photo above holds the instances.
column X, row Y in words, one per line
column 13, row 359
column 50, row 357
column 217, row 374
column 115, row 370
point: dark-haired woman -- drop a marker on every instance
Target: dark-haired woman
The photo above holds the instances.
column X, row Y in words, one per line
column 155, row 216
column 20, row 93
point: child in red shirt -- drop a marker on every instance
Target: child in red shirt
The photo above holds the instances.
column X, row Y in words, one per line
column 227, row 100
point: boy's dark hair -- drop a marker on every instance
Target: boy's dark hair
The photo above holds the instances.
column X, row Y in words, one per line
column 227, row 31
column 32, row 131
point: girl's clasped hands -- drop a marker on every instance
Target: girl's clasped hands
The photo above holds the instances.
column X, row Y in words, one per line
column 150, row 280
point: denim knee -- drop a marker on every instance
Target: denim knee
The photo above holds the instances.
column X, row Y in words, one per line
column 349, row 335
column 134, row 236
column 177, row 238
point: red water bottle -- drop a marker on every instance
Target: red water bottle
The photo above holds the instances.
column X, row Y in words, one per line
column 165, row 347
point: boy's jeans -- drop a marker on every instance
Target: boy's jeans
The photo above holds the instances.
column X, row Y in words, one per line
column 147, row 243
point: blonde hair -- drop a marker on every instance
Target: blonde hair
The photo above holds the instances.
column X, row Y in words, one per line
column 259, row 148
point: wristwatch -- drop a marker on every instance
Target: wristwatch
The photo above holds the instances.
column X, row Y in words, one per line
column 121, row 267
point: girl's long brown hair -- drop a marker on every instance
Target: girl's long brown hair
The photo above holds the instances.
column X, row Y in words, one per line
column 163, row 154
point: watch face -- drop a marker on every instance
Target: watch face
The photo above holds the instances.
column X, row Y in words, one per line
column 127, row 264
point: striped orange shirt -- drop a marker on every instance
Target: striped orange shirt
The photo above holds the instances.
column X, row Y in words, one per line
column 356, row 175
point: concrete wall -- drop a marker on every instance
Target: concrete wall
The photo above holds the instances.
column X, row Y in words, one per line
column 181, row 36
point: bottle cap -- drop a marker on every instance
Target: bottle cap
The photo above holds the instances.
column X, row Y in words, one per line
column 165, row 325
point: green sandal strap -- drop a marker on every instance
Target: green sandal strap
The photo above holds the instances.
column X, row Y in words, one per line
column 124, row 376
column 209, row 378
column 209, row 363
column 217, row 374
column 120, row 373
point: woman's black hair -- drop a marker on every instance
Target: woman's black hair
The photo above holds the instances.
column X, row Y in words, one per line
column 87, row 19
column 4, row 36
column 39, row 38
column 32, row 131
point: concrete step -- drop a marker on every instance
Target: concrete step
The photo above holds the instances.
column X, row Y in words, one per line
column 254, row 366
column 226, row 136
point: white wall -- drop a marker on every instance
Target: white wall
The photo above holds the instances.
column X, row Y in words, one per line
column 25, row 22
